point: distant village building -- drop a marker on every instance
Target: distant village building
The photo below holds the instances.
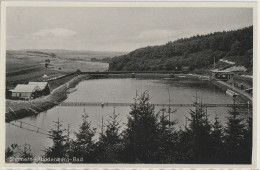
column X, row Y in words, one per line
column 222, row 75
column 31, row 90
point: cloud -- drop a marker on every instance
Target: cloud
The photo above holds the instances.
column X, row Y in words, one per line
column 55, row 32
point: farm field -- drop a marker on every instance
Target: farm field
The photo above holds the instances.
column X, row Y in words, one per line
column 72, row 65
column 22, row 66
column 83, row 55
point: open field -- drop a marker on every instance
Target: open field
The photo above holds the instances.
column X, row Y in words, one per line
column 72, row 65
column 24, row 66
column 19, row 60
column 79, row 55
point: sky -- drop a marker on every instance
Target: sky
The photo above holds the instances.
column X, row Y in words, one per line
column 114, row 29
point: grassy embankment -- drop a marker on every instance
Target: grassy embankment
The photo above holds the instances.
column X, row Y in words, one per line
column 17, row 109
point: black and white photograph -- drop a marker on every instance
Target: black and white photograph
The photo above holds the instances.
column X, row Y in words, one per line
column 138, row 84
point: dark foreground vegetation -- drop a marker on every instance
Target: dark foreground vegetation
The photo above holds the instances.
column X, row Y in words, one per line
column 197, row 52
column 150, row 137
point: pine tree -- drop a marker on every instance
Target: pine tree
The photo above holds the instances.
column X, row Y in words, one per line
column 234, row 137
column 110, row 142
column 58, row 150
column 141, row 134
column 184, row 146
column 217, row 142
column 84, row 146
column 25, row 154
column 248, row 141
column 10, row 151
column 200, row 132
column 167, row 137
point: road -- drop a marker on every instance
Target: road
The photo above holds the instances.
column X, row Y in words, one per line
column 237, row 90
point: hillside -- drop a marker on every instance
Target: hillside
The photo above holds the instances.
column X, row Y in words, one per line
column 229, row 48
column 80, row 54
column 25, row 65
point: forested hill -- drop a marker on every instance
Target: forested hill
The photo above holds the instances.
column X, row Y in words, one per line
column 197, row 52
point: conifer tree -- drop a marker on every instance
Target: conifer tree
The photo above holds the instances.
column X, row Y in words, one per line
column 248, row 141
column 200, row 132
column 217, row 142
column 110, row 142
column 10, row 151
column 58, row 150
column 84, row 146
column 234, row 137
column 25, row 154
column 141, row 134
column 167, row 137
column 183, row 146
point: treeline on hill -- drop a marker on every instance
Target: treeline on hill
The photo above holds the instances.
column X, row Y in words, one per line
column 152, row 138
column 195, row 53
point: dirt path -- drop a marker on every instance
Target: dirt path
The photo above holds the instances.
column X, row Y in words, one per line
column 58, row 88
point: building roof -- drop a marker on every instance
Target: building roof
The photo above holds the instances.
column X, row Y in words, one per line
column 25, row 88
column 41, row 85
